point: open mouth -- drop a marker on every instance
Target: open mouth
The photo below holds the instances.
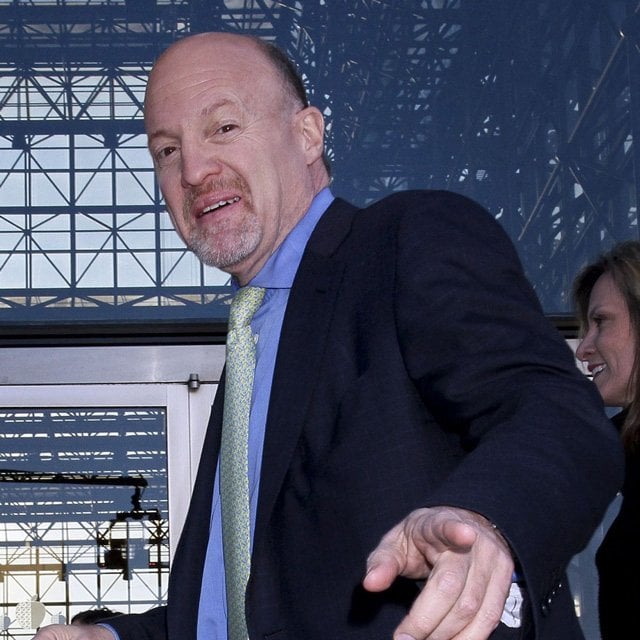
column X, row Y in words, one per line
column 219, row 205
column 599, row 369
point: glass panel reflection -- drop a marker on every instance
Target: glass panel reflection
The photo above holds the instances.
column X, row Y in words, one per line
column 83, row 515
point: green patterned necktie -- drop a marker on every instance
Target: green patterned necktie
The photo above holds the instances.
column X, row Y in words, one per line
column 234, row 460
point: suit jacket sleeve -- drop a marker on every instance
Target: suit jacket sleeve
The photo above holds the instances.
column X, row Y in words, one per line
column 428, row 376
column 150, row 625
column 491, row 367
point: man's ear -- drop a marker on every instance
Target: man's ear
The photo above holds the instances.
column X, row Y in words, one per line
column 311, row 126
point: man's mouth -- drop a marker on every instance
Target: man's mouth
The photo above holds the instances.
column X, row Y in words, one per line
column 219, row 205
column 599, row 369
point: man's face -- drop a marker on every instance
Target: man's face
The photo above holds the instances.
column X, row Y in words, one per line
column 231, row 150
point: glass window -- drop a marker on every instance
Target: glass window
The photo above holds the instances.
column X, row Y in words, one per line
column 527, row 107
column 84, row 515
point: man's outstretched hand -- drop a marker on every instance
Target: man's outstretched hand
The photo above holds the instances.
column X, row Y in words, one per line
column 467, row 565
column 73, row 632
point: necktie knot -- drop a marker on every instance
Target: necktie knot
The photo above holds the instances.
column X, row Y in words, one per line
column 243, row 306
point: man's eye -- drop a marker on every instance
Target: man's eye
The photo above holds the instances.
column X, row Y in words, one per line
column 163, row 153
column 226, row 128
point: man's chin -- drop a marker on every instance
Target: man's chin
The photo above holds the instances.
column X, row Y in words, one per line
column 225, row 249
column 219, row 260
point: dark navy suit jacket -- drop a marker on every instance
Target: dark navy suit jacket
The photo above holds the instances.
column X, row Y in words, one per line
column 415, row 368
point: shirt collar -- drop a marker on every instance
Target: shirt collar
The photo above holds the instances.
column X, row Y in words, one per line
column 280, row 269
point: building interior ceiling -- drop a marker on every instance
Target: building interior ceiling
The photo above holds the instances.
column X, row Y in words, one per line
column 528, row 107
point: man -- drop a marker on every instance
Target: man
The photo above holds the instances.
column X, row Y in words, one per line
column 410, row 398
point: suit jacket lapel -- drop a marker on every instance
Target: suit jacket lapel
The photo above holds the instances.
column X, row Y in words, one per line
column 302, row 342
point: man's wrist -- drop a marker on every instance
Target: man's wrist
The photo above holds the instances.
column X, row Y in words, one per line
column 109, row 628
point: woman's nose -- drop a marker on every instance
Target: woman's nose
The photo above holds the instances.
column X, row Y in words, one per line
column 585, row 347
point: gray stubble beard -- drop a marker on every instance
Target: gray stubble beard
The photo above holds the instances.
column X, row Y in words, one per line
column 238, row 247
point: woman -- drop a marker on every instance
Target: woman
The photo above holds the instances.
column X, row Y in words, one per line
column 607, row 299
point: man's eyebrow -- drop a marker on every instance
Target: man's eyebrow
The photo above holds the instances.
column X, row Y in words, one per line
column 214, row 106
column 158, row 133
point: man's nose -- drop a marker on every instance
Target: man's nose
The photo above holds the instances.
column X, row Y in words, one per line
column 199, row 161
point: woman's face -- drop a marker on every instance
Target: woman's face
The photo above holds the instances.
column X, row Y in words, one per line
column 609, row 346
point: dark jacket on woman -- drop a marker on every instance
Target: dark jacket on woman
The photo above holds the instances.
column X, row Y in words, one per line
column 618, row 558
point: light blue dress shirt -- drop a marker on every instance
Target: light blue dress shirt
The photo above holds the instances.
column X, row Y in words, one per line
column 276, row 276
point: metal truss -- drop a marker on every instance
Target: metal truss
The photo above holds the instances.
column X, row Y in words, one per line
column 83, row 232
column 550, row 144
column 529, row 107
column 65, row 568
column 90, row 458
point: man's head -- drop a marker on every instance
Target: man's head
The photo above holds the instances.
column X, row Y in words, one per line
column 238, row 152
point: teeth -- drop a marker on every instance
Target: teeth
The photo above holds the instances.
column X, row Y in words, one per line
column 599, row 369
column 222, row 203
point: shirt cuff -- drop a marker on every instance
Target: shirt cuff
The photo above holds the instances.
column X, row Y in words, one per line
column 110, row 628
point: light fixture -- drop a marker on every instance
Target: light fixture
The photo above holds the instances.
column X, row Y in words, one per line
column 30, row 614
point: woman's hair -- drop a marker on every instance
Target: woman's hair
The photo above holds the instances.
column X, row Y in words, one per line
column 622, row 263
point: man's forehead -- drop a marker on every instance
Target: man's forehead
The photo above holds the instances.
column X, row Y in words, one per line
column 213, row 50
column 213, row 68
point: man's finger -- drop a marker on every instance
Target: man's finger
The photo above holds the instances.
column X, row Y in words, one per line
column 384, row 565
